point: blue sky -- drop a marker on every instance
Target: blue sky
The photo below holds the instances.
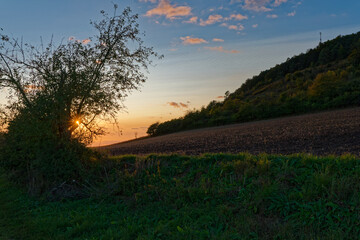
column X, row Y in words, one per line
column 210, row 46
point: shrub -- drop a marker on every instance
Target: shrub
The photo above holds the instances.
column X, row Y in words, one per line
column 36, row 158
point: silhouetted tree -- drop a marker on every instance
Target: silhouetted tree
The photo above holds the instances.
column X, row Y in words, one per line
column 79, row 82
column 61, row 93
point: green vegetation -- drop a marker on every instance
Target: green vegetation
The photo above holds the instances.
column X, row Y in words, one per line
column 325, row 77
column 207, row 197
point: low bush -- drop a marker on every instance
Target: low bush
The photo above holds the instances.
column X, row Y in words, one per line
column 36, row 158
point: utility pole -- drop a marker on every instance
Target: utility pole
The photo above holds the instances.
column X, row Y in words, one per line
column 320, row 39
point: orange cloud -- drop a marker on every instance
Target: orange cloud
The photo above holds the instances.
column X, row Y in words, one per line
column 178, row 105
column 174, row 104
column 221, row 49
column 238, row 27
column 211, row 20
column 220, row 97
column 255, row 25
column 169, row 11
column 238, row 17
column 184, row 105
column 192, row 20
column 189, row 40
column 232, row 27
column 218, row 40
column 85, row 41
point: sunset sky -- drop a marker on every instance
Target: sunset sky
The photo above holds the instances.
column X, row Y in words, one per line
column 209, row 46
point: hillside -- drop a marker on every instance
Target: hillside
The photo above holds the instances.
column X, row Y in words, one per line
column 325, row 77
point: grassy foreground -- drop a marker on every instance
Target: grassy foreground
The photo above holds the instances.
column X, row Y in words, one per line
column 208, row 197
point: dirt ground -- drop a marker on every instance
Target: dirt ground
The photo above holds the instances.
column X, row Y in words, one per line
column 333, row 132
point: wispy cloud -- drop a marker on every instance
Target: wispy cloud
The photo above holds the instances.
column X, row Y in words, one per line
column 164, row 8
column 211, row 20
column 152, row 1
column 257, row 5
column 272, row 16
column 255, row 25
column 238, row 27
column 218, row 40
column 238, row 17
column 221, row 49
column 220, row 97
column 178, row 104
column 191, row 41
column 191, row 20
column 292, row 14
column 279, row 2
column 184, row 105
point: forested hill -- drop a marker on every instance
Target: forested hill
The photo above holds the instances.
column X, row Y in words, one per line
column 325, row 77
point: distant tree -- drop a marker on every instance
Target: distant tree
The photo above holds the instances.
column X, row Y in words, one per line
column 227, row 94
column 80, row 81
column 152, row 129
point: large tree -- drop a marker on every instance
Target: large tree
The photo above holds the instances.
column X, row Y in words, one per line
column 72, row 85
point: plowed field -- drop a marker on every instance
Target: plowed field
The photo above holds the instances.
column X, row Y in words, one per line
column 333, row 132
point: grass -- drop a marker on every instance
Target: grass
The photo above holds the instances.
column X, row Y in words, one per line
column 213, row 196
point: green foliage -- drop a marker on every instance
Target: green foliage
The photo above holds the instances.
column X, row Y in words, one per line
column 326, row 84
column 208, row 197
column 325, row 77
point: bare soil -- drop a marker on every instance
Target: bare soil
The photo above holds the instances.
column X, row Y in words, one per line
column 333, row 132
